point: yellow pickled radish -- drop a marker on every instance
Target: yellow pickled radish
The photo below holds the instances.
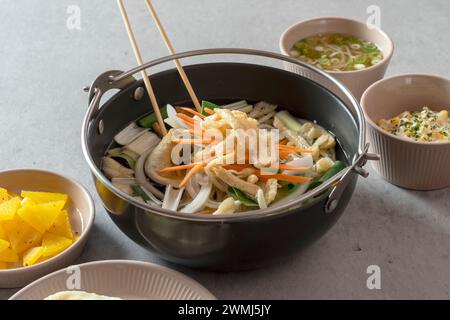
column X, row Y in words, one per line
column 2, row 233
column 34, row 227
column 4, row 245
column 27, row 202
column 44, row 197
column 32, row 256
column 21, row 235
column 9, row 208
column 3, row 195
column 8, row 255
column 41, row 216
column 61, row 226
column 54, row 244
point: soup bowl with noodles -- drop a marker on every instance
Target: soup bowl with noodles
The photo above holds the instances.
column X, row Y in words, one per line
column 355, row 53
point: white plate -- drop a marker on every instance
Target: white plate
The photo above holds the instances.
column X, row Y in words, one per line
column 118, row 278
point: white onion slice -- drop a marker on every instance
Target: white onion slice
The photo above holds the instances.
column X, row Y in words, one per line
column 172, row 198
column 306, row 162
column 172, row 119
column 147, row 140
column 130, row 133
column 199, row 202
column 142, row 179
column 192, row 187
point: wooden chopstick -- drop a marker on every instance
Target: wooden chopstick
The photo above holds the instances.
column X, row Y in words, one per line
column 140, row 61
column 169, row 46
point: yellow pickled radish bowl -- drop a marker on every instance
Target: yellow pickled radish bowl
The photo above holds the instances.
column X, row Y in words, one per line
column 34, row 227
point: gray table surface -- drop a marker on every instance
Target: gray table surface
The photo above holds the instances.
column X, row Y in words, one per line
column 44, row 65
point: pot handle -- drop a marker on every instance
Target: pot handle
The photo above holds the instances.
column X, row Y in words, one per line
column 356, row 167
column 99, row 87
column 103, row 84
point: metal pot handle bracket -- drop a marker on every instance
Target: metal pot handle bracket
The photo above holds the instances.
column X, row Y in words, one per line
column 357, row 166
column 119, row 80
column 103, row 84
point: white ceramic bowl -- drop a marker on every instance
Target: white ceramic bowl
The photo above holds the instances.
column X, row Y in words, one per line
column 119, row 278
column 81, row 211
column 356, row 81
column 404, row 162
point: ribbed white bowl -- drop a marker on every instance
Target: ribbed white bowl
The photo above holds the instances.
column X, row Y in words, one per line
column 407, row 163
column 120, row 278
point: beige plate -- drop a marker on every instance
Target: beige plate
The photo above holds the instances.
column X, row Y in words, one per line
column 119, row 278
column 81, row 210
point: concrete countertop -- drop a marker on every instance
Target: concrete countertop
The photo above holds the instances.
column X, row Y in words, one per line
column 44, row 65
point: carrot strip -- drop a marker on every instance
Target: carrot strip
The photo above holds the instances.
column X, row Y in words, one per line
column 186, row 118
column 284, row 177
column 191, row 125
column 291, row 168
column 284, row 155
column 237, row 167
column 209, row 111
column 191, row 111
column 178, row 168
column 198, row 167
column 295, row 149
column 283, row 142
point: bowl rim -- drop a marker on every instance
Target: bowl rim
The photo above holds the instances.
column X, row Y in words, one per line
column 372, row 123
column 386, row 58
column 79, row 241
column 127, row 262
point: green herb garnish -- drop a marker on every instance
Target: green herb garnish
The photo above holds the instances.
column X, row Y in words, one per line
column 239, row 195
column 209, row 105
column 150, row 120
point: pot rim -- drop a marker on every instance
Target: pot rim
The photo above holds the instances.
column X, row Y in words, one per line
column 337, row 181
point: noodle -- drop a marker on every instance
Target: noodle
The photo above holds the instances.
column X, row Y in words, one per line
column 209, row 178
column 320, row 50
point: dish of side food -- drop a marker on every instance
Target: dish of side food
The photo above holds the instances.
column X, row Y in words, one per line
column 337, row 52
column 424, row 125
column 354, row 52
column 79, row 295
column 408, row 125
column 115, row 280
column 34, row 227
column 212, row 163
column 45, row 220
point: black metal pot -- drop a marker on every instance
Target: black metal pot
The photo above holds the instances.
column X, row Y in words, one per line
column 239, row 241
